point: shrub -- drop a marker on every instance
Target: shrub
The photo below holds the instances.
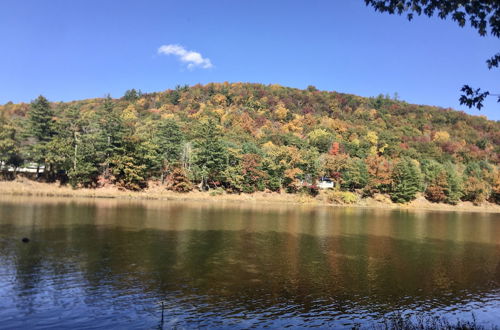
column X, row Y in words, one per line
column 437, row 190
column 216, row 192
column 312, row 190
column 341, row 197
column 274, row 184
column 179, row 182
column 475, row 190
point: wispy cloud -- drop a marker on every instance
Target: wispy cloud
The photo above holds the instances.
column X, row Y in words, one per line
column 193, row 59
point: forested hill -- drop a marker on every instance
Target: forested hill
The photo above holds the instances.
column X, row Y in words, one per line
column 247, row 137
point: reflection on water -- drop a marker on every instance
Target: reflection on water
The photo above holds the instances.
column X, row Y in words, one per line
column 110, row 263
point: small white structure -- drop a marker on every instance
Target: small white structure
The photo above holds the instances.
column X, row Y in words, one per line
column 325, row 183
column 28, row 168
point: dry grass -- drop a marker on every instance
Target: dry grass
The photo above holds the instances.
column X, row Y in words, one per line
column 25, row 187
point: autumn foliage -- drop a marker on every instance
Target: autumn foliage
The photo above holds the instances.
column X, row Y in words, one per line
column 244, row 138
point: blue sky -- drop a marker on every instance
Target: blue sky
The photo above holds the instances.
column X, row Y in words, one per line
column 78, row 49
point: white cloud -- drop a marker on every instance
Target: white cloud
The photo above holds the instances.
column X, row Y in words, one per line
column 193, row 59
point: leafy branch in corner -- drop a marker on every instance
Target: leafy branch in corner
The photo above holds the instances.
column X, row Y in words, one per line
column 481, row 14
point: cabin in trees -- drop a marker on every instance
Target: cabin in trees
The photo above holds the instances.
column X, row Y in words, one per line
column 325, row 183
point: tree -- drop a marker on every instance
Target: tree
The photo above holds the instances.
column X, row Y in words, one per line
column 132, row 167
column 483, row 15
column 475, row 187
column 253, row 175
column 41, row 129
column 132, row 95
column 321, row 139
column 334, row 149
column 210, row 152
column 475, row 190
column 407, row 181
column 454, row 184
column 78, row 148
column 8, row 144
column 112, row 132
column 495, row 191
column 178, row 181
column 169, row 139
column 41, row 120
column 380, row 174
column 437, row 190
column 355, row 174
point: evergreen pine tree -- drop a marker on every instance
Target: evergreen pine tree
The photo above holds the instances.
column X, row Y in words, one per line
column 355, row 175
column 407, row 181
column 210, row 151
column 169, row 140
column 41, row 129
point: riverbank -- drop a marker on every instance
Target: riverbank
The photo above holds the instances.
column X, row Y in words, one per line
column 25, row 187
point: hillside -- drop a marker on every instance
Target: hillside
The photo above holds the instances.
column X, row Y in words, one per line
column 249, row 137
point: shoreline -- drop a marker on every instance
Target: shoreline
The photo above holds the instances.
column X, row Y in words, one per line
column 26, row 187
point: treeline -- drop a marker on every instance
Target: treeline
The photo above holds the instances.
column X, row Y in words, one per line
column 251, row 137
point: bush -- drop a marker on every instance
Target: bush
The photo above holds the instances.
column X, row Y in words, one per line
column 179, row 182
column 274, row 184
column 312, row 190
column 475, row 190
column 341, row 197
column 438, row 190
column 216, row 192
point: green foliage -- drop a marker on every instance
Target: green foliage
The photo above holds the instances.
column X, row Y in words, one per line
column 217, row 192
column 320, row 139
column 40, row 128
column 210, row 153
column 355, row 174
column 9, row 147
column 454, row 192
column 41, row 120
column 132, row 95
column 169, row 138
column 138, row 160
column 407, row 181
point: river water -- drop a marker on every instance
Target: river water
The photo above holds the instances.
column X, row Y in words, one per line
column 122, row 264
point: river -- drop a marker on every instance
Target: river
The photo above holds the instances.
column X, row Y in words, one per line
column 111, row 263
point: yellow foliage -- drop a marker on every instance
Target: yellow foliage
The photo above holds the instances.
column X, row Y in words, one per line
column 337, row 125
column 219, row 111
column 382, row 148
column 334, row 106
column 293, row 127
column 280, row 111
column 142, row 103
column 318, row 134
column 292, row 173
column 129, row 115
column 372, row 137
column 219, row 99
column 167, row 116
column 441, row 136
column 354, row 139
column 268, row 146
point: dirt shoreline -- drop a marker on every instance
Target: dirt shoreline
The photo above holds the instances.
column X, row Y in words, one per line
column 156, row 192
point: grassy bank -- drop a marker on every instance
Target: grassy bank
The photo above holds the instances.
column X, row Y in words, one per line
column 25, row 187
